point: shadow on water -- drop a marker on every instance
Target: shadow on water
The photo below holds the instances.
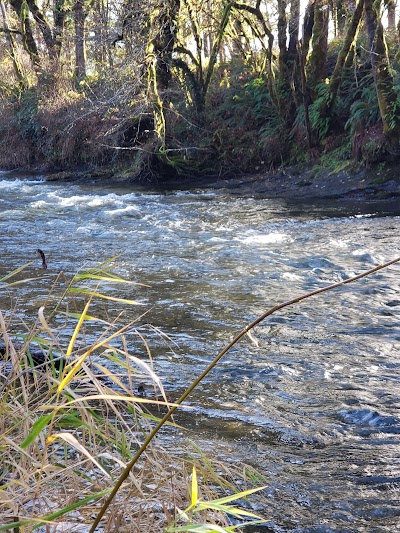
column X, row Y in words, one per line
column 312, row 399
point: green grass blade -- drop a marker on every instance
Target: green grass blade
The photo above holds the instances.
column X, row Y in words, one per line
column 226, row 509
column 88, row 275
column 72, row 507
column 20, row 282
column 87, row 318
column 49, row 518
column 195, row 488
column 105, row 297
column 77, row 330
column 199, row 528
column 238, row 495
column 16, row 271
column 37, row 427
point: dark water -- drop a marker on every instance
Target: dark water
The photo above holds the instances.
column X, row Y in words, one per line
column 313, row 400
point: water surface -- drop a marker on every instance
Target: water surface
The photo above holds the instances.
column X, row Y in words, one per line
column 313, row 399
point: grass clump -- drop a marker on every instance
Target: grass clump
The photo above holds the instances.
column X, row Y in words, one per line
column 71, row 419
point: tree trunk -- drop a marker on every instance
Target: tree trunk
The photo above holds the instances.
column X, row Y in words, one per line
column 44, row 27
column 216, row 47
column 19, row 74
column 292, row 56
column 159, row 61
column 340, row 16
column 385, row 91
column 319, row 43
column 282, row 28
column 59, row 20
column 391, row 13
column 351, row 37
column 308, row 25
column 294, row 25
column 80, row 51
column 165, row 21
column 28, row 41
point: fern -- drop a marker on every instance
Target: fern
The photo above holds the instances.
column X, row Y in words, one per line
column 365, row 111
column 319, row 119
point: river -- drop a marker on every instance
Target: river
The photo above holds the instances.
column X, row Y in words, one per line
column 313, row 399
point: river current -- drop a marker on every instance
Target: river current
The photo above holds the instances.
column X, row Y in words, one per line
column 312, row 400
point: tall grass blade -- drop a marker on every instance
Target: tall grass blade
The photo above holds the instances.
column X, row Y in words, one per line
column 37, row 427
column 103, row 296
column 14, row 272
column 195, row 488
column 113, row 397
column 51, row 517
column 238, row 495
column 199, row 528
column 70, row 439
column 77, row 330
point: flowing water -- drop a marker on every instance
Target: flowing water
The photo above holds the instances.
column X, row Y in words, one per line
column 313, row 399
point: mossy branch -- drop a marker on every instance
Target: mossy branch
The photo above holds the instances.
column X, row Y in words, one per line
column 196, row 382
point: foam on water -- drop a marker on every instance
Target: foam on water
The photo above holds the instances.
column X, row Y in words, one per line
column 17, row 183
column 122, row 211
column 270, row 238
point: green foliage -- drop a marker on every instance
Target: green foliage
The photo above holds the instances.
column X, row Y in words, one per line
column 319, row 118
column 337, row 155
column 221, row 505
column 243, row 104
column 364, row 111
column 26, row 116
column 247, row 127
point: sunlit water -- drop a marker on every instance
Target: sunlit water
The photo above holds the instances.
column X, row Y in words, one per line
column 313, row 400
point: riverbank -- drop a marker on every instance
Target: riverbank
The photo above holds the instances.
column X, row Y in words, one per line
column 375, row 183
column 379, row 182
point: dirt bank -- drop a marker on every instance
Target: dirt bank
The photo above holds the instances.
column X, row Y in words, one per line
column 381, row 182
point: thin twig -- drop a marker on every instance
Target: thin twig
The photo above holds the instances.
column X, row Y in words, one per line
column 244, row 331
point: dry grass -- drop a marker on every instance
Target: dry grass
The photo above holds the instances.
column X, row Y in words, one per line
column 67, row 434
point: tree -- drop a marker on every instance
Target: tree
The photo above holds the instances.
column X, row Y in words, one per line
column 80, row 50
column 385, row 91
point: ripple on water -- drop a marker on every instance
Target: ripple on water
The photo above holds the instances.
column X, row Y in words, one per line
column 314, row 403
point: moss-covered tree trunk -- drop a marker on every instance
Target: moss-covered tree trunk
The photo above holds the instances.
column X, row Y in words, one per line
column 294, row 26
column 282, row 31
column 17, row 66
column 317, row 63
column 348, row 43
column 391, row 14
column 80, row 49
column 28, row 41
column 163, row 25
column 51, row 39
column 289, row 75
column 385, row 91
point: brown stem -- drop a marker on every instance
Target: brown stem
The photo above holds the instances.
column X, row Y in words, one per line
column 172, row 410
